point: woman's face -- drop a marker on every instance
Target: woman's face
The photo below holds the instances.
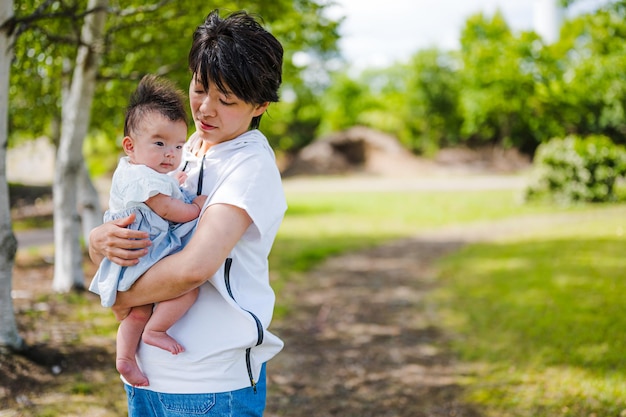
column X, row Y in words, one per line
column 220, row 117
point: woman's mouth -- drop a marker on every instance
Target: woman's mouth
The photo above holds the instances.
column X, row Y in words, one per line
column 205, row 126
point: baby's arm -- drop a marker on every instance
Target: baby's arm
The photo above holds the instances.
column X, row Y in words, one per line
column 175, row 210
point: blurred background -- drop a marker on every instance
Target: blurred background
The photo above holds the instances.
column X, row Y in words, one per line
column 512, row 74
column 455, row 173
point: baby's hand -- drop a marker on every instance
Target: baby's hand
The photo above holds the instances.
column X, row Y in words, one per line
column 181, row 176
column 199, row 201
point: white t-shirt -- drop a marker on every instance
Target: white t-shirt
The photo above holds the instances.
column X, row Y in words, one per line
column 234, row 308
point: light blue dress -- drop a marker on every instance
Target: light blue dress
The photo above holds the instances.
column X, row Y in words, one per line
column 131, row 186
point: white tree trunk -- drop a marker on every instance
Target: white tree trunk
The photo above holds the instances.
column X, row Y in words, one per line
column 9, row 336
column 68, row 273
column 90, row 208
column 89, row 205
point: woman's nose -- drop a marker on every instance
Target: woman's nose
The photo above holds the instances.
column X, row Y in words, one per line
column 207, row 107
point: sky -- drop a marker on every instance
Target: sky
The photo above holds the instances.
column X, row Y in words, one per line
column 379, row 33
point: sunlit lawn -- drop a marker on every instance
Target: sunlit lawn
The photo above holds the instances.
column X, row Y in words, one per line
column 540, row 318
column 318, row 225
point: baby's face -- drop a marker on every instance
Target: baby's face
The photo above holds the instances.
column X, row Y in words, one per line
column 158, row 143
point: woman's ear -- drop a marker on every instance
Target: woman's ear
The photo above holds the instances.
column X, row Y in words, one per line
column 260, row 109
column 127, row 145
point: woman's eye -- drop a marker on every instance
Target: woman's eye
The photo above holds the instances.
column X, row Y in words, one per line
column 226, row 103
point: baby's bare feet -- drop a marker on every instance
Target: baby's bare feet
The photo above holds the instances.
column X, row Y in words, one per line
column 162, row 340
column 130, row 371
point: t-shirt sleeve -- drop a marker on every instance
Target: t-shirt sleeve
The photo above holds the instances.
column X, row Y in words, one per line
column 254, row 184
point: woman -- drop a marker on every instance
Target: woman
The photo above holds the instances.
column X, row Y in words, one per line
column 236, row 72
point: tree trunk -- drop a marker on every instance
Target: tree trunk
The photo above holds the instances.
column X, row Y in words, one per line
column 90, row 208
column 9, row 337
column 68, row 273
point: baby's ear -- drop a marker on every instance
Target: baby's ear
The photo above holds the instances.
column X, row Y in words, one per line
column 127, row 144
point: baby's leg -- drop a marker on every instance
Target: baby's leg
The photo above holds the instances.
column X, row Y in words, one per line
column 165, row 315
column 128, row 336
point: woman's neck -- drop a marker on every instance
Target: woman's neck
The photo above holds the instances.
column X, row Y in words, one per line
column 204, row 147
column 200, row 147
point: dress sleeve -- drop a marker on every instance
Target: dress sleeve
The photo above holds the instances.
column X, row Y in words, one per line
column 148, row 183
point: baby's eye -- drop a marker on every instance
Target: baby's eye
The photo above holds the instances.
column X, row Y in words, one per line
column 159, row 143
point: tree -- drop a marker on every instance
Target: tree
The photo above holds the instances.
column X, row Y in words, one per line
column 498, row 78
column 432, row 96
column 591, row 94
column 143, row 37
column 8, row 244
column 68, row 258
column 344, row 102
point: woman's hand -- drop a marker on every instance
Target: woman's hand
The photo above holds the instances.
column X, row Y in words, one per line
column 117, row 243
column 219, row 229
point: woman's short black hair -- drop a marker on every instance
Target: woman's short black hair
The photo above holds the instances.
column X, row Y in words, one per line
column 239, row 56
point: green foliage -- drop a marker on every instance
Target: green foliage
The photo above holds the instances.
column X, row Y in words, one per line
column 591, row 92
column 504, row 88
column 537, row 318
column 433, row 92
column 577, row 169
column 290, row 124
column 346, row 103
column 43, row 51
column 101, row 153
column 501, row 87
column 154, row 37
column 503, row 80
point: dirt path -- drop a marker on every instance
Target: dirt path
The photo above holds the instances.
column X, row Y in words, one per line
column 362, row 341
column 363, row 338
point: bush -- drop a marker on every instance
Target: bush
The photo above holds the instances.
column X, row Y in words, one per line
column 577, row 169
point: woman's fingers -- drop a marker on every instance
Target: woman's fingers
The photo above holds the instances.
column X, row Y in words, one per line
column 119, row 244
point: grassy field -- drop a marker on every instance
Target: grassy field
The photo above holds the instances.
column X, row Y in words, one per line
column 537, row 320
column 318, row 225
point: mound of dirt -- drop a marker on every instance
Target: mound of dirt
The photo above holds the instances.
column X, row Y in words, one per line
column 361, row 150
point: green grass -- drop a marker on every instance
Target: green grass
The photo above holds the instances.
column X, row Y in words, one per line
column 540, row 318
column 318, row 225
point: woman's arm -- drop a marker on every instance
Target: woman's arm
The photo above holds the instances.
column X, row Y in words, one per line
column 218, row 231
column 113, row 240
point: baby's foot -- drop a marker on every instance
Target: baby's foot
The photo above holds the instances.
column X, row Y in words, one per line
column 162, row 340
column 131, row 373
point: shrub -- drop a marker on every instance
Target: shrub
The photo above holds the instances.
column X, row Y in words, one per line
column 576, row 169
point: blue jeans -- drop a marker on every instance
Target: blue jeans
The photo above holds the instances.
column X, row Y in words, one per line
column 239, row 403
